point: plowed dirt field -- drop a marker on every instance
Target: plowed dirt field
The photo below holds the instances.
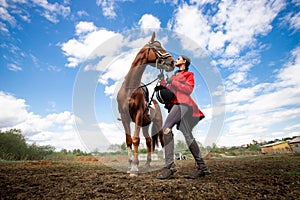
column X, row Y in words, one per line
column 255, row 177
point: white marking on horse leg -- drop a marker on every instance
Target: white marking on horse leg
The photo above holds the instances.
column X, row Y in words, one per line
column 129, row 151
column 134, row 171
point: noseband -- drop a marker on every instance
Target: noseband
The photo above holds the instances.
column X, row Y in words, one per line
column 160, row 57
column 159, row 61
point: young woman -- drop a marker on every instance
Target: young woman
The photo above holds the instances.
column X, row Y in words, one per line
column 183, row 112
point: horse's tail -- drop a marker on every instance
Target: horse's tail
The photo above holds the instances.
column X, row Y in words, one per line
column 154, row 135
column 156, row 131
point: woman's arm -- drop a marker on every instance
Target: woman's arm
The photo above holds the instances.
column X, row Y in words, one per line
column 184, row 84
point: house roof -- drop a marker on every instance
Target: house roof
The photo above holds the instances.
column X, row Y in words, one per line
column 273, row 144
column 295, row 140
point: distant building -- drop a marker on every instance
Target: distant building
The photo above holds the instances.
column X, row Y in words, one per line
column 179, row 156
column 154, row 156
column 295, row 144
column 277, row 147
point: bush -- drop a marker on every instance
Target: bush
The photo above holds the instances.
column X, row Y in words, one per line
column 13, row 146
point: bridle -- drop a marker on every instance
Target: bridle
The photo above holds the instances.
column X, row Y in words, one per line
column 159, row 63
column 160, row 57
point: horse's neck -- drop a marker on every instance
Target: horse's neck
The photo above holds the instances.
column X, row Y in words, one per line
column 134, row 76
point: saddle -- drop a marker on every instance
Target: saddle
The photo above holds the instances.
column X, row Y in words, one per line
column 146, row 92
column 146, row 115
column 146, row 119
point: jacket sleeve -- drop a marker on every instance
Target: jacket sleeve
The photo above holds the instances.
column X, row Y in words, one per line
column 163, row 82
column 185, row 84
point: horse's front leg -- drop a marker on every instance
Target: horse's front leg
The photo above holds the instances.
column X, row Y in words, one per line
column 148, row 143
column 126, row 124
column 136, row 142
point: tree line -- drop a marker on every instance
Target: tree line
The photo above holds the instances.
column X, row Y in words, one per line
column 181, row 146
column 13, row 146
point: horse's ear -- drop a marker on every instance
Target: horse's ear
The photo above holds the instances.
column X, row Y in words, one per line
column 153, row 37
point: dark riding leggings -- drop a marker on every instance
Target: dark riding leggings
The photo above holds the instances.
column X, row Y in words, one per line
column 180, row 115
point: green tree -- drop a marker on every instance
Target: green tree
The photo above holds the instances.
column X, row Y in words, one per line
column 13, row 146
column 216, row 149
column 123, row 146
column 64, row 151
column 254, row 146
column 181, row 146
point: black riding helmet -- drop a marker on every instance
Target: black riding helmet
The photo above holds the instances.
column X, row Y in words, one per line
column 164, row 95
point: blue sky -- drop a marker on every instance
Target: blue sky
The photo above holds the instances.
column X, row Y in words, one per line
column 46, row 46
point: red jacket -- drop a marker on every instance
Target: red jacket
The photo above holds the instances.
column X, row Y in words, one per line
column 182, row 85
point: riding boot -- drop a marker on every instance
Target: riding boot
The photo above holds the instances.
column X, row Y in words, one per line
column 169, row 167
column 201, row 169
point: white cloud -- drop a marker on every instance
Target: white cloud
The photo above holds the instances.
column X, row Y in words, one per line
column 238, row 77
column 52, row 10
column 65, row 118
column 108, row 7
column 6, row 16
column 295, row 21
column 242, row 21
column 113, row 132
column 85, row 27
column 190, row 22
column 293, row 127
column 3, row 3
column 3, row 28
column 10, row 10
column 55, row 129
column 89, row 37
column 9, row 106
column 290, row 74
column 118, row 68
column 253, row 111
column 233, row 28
column 14, row 67
column 292, row 19
column 149, row 21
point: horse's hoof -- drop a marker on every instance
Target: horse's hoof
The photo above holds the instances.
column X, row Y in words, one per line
column 133, row 174
column 147, row 165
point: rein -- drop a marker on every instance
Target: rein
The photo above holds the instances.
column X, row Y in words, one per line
column 160, row 56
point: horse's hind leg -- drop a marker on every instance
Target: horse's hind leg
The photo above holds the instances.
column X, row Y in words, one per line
column 149, row 145
column 157, row 132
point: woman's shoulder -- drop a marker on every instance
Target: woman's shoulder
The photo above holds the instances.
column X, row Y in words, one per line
column 184, row 72
column 187, row 73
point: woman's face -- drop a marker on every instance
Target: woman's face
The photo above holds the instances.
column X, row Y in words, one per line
column 179, row 62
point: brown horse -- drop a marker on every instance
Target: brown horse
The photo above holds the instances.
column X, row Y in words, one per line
column 132, row 104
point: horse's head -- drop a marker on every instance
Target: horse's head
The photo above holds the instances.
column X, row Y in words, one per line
column 158, row 55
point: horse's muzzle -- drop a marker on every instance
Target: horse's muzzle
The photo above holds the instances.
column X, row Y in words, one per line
column 167, row 65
